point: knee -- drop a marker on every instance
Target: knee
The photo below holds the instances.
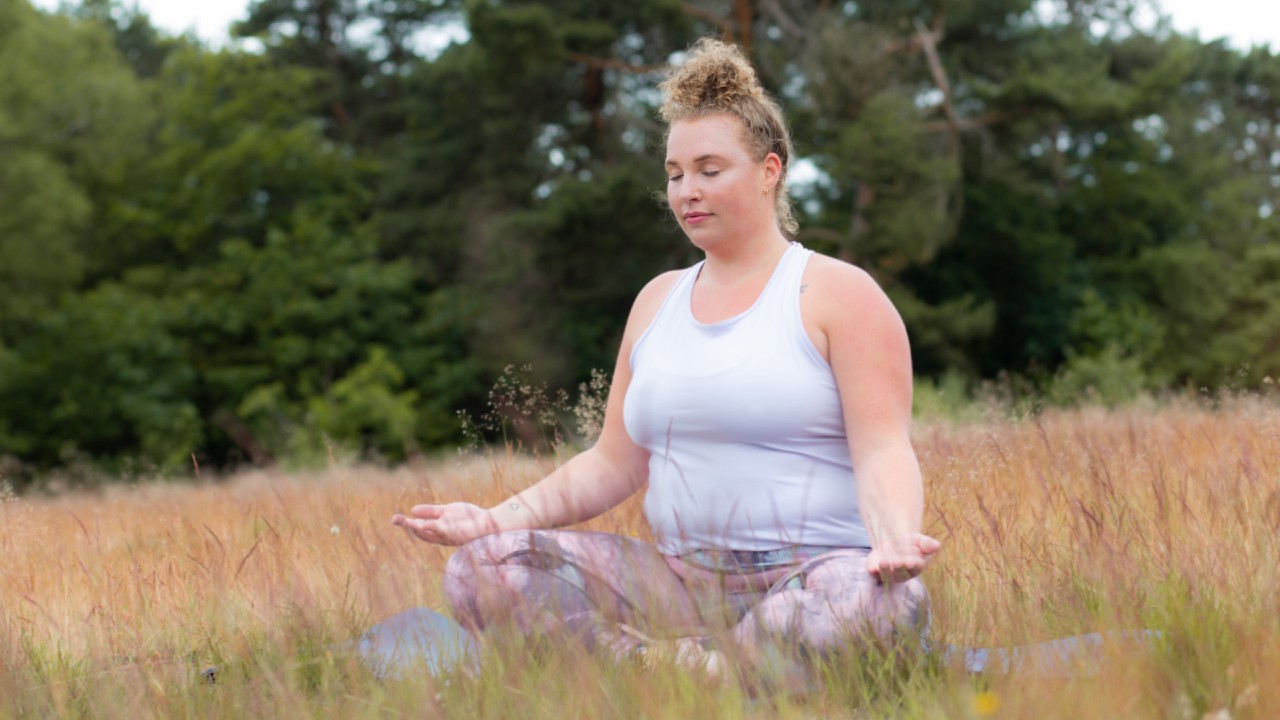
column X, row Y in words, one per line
column 824, row 618
column 484, row 551
column 462, row 564
column 464, row 559
column 898, row 612
column 465, row 572
column 853, row 598
column 916, row 609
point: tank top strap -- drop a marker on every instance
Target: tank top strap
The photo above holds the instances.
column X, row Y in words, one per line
column 793, row 272
column 682, row 291
column 677, row 297
column 784, row 291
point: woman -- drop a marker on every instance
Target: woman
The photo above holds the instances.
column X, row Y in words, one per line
column 764, row 395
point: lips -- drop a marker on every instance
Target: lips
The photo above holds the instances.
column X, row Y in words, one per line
column 693, row 218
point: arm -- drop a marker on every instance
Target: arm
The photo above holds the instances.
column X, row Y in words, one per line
column 589, row 484
column 871, row 359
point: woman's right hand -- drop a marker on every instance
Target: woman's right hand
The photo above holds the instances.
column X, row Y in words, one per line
column 449, row 524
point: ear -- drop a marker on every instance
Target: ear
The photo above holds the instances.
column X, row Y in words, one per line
column 772, row 170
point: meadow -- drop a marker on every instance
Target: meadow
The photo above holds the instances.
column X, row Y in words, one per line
column 1160, row 516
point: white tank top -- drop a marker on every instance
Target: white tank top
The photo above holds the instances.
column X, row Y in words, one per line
column 743, row 424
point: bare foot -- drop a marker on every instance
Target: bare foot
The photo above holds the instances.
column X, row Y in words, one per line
column 687, row 653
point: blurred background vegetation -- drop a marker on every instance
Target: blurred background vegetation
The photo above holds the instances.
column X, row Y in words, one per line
column 334, row 234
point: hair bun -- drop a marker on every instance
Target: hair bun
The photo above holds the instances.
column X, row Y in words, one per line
column 715, row 77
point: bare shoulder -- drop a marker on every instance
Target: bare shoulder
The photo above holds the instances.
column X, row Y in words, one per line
column 865, row 341
column 648, row 302
column 837, row 293
column 657, row 289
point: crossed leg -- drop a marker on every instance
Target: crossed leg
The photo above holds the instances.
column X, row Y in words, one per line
column 547, row 581
column 831, row 601
column 583, row 583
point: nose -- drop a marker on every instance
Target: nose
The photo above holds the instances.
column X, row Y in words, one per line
column 688, row 190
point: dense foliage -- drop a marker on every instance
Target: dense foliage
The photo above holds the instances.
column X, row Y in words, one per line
column 335, row 233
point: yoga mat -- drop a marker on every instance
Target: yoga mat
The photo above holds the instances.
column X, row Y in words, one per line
column 414, row 639
column 421, row 636
column 1075, row 656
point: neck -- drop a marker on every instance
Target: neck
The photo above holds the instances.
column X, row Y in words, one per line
column 732, row 262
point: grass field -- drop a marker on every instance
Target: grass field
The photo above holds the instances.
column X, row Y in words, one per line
column 1069, row 522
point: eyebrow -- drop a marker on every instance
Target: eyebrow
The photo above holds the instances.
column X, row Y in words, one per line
column 698, row 160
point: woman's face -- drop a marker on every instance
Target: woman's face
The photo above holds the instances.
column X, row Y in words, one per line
column 716, row 190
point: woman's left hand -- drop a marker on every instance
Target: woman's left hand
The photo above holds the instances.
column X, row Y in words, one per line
column 902, row 558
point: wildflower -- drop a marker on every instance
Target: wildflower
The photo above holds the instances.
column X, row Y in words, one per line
column 334, row 530
column 986, row 703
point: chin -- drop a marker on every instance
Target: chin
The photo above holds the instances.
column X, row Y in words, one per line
column 702, row 239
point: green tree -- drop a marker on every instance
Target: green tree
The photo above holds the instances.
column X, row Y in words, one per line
column 525, row 174
column 339, row 241
column 102, row 377
column 71, row 118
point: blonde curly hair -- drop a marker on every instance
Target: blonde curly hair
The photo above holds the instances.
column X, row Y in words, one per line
column 717, row 79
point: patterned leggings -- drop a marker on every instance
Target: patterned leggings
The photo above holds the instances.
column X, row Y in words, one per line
column 550, row 581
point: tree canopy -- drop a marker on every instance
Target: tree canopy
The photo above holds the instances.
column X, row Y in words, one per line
column 337, row 233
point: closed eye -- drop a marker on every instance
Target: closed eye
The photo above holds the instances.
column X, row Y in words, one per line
column 674, row 178
column 711, row 173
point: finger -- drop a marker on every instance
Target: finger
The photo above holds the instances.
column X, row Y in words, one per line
column 928, row 545
column 893, row 576
column 414, row 526
column 900, row 570
column 421, row 529
column 884, row 570
column 888, row 578
column 873, row 563
column 427, row 512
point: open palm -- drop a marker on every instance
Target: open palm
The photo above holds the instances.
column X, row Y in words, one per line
column 448, row 524
column 902, row 558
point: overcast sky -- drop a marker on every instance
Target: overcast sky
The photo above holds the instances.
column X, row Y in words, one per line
column 1242, row 22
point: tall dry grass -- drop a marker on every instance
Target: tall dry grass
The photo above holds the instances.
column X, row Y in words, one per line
column 1064, row 523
